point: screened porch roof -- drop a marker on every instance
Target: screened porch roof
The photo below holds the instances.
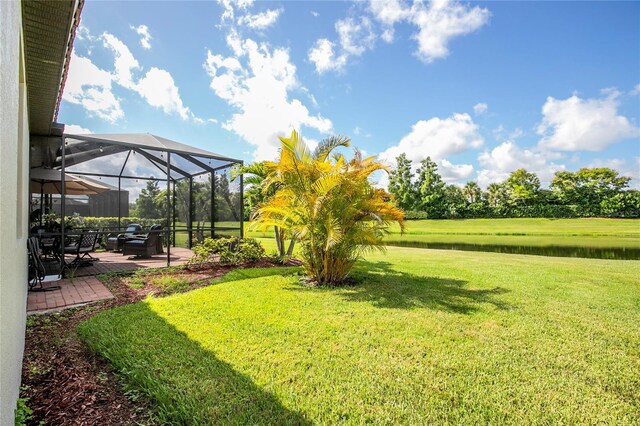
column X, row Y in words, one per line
column 188, row 161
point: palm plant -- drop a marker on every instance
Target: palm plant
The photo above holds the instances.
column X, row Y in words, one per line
column 328, row 204
column 254, row 195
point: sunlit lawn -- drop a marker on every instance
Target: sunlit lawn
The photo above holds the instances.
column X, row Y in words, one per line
column 583, row 232
column 425, row 337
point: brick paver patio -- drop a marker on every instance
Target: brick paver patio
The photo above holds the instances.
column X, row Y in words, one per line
column 83, row 287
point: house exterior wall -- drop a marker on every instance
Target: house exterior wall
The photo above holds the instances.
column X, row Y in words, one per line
column 14, row 150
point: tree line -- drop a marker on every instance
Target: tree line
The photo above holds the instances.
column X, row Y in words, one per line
column 589, row 192
column 152, row 201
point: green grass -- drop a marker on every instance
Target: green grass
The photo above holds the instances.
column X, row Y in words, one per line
column 427, row 336
column 584, row 232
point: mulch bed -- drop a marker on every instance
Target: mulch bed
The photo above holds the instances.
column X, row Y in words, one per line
column 67, row 384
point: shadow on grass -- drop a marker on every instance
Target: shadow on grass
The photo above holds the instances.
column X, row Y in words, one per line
column 385, row 287
column 186, row 383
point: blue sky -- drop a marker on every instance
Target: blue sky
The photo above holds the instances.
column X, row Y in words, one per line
column 483, row 88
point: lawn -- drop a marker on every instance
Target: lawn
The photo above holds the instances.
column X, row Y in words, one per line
column 583, row 232
column 426, row 336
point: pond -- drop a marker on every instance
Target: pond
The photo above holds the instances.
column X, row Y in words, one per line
column 611, row 253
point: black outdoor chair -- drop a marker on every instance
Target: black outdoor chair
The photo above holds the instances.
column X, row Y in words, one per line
column 115, row 242
column 144, row 246
column 37, row 271
column 82, row 248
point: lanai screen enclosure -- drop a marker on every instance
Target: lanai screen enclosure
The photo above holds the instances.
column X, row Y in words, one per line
column 187, row 190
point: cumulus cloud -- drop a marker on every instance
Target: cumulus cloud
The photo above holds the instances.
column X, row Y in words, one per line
column 454, row 173
column 145, row 36
column 437, row 23
column 124, row 62
column 159, row 90
column 257, row 82
column 441, row 21
column 230, row 6
column 261, row 21
column 89, row 86
column 74, row 129
column 355, row 36
column 480, row 108
column 576, row 124
column 437, row 138
column 636, row 90
column 323, row 56
column 507, row 157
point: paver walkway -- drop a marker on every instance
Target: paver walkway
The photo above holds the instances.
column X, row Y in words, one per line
column 83, row 287
column 72, row 292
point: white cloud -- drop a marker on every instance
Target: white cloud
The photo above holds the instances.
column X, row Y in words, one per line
column 508, row 157
column 124, row 63
column 440, row 22
column 74, row 129
column 437, row 138
column 257, row 82
column 576, row 124
column 159, row 90
column 355, row 36
column 261, row 21
column 315, row 14
column 636, row 90
column 323, row 56
column 480, row 108
column 389, row 12
column 230, row 6
column 90, row 86
column 454, row 173
column 145, row 36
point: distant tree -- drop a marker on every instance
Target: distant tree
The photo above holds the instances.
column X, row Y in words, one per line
column 496, row 194
column 589, row 188
column 400, row 184
column 472, row 192
column 623, row 204
column 147, row 205
column 522, row 188
column 430, row 188
column 455, row 202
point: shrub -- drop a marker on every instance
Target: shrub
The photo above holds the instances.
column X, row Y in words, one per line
column 231, row 251
column 415, row 215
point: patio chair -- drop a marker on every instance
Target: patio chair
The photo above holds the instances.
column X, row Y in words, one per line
column 82, row 248
column 115, row 242
column 37, row 271
column 146, row 246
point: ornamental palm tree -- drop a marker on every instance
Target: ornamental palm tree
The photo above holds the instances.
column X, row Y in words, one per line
column 254, row 177
column 328, row 204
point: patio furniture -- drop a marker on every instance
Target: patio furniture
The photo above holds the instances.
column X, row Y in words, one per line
column 145, row 246
column 37, row 272
column 82, row 248
column 115, row 242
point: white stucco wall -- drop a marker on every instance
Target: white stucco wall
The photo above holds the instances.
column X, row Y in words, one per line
column 14, row 143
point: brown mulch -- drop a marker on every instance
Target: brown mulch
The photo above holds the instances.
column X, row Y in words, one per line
column 67, row 384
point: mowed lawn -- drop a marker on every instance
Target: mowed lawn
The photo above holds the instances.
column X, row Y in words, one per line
column 426, row 336
column 535, row 232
